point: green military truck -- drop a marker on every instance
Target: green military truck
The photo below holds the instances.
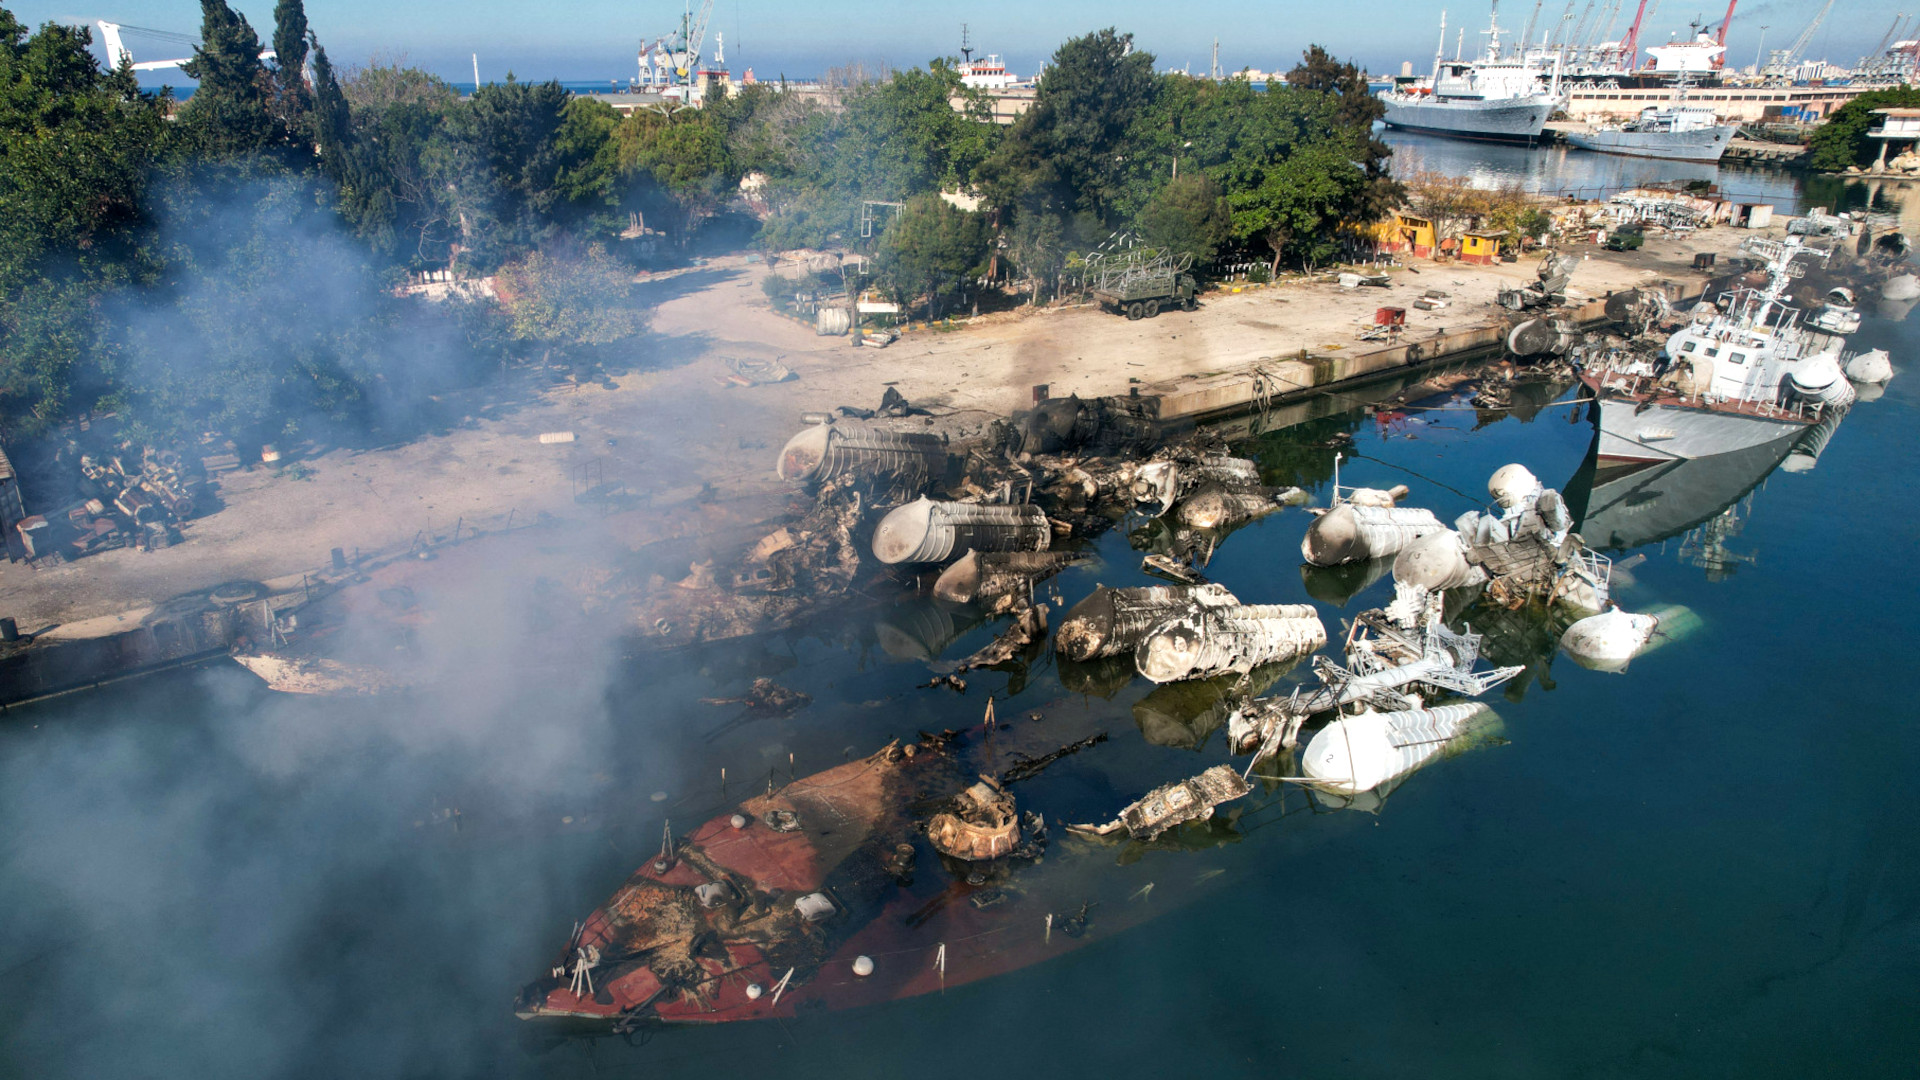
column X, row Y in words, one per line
column 1140, row 282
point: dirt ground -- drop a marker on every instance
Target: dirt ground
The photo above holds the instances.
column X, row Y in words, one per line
column 677, row 432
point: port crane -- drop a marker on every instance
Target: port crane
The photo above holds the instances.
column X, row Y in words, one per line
column 1782, row 61
column 674, row 59
column 1720, row 58
column 112, row 35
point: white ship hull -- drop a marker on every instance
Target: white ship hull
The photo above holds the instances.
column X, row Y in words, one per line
column 1704, row 144
column 1500, row 120
column 1666, row 432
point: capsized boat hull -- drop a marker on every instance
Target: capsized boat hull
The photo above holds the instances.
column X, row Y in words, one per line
column 941, row 923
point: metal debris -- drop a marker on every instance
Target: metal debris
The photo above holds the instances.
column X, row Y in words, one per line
column 1215, row 506
column 829, row 451
column 1359, row 753
column 1029, row 628
column 1028, row 768
column 766, row 698
column 997, row 580
column 1213, row 640
column 1173, row 804
column 1354, row 532
column 928, row 531
column 981, row 824
column 1113, row 622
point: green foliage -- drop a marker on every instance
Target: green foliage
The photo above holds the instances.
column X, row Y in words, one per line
column 1842, row 141
column 75, row 148
column 1080, row 135
column 231, row 110
column 290, row 55
column 684, row 156
column 227, row 339
column 1189, row 217
column 889, row 140
column 576, row 304
column 930, row 250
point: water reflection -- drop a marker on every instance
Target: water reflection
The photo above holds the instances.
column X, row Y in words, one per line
column 1184, row 715
column 1338, row 585
column 1564, row 170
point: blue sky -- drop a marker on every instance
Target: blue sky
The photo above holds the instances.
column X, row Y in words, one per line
column 595, row 39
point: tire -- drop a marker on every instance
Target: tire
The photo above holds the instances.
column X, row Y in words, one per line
column 1152, row 309
column 1134, row 311
column 1189, row 304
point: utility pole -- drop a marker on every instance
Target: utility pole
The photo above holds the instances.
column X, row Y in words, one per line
column 476, row 72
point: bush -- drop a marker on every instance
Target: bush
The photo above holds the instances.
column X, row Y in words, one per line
column 1259, row 274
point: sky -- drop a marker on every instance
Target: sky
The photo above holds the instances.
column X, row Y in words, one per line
column 596, row 39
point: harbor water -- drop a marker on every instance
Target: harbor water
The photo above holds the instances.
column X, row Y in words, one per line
column 1705, row 866
column 1570, row 171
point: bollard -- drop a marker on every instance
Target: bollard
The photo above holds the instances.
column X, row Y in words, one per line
column 9, row 631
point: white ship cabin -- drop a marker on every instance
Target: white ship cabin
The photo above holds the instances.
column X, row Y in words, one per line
column 1674, row 118
column 1696, row 57
column 1495, row 80
column 1735, row 362
column 989, row 73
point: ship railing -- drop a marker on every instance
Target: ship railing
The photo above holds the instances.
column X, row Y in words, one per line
column 1596, row 567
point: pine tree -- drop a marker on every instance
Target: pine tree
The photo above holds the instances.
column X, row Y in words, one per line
column 229, row 112
column 290, row 36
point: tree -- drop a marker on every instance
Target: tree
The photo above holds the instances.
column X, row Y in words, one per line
column 76, row 152
column 578, row 305
column 1842, row 141
column 1081, row 117
column 685, row 155
column 290, row 58
column 930, row 250
column 498, row 162
column 1298, row 205
column 230, row 111
column 1189, row 216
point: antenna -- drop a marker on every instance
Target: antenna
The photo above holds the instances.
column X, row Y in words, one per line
column 966, row 46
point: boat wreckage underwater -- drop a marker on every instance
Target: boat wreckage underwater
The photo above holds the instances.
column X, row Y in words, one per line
column 929, row 863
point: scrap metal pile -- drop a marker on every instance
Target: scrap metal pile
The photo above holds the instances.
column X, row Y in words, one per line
column 814, row 892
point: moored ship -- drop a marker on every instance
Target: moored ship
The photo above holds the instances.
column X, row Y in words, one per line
column 1497, row 98
column 1745, row 376
column 1674, row 133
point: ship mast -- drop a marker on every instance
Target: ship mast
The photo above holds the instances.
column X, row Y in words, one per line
column 1440, row 51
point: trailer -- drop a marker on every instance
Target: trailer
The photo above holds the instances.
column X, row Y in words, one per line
column 1140, row 282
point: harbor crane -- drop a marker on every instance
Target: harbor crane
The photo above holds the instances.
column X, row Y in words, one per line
column 1720, row 58
column 112, row 35
column 1782, row 61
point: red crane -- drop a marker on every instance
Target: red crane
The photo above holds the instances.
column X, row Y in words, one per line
column 1630, row 48
column 1721, row 59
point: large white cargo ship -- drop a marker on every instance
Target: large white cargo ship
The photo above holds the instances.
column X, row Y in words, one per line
column 1499, row 98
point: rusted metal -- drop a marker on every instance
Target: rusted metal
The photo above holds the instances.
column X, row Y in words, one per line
column 829, row 451
column 1239, row 638
column 928, row 531
column 1112, row 622
column 981, row 824
column 994, row 579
